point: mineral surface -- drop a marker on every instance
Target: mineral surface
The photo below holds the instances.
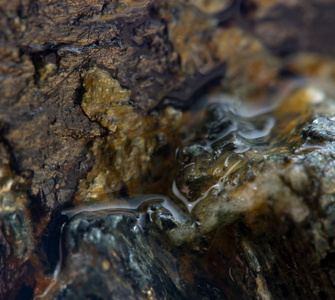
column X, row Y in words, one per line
column 16, row 231
column 167, row 149
column 252, row 214
column 247, row 171
column 132, row 256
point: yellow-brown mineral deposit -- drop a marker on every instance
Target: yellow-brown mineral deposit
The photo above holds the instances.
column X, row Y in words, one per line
column 135, row 155
column 105, row 100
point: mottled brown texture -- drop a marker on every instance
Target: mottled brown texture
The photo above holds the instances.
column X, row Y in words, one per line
column 45, row 45
column 290, row 26
column 161, row 51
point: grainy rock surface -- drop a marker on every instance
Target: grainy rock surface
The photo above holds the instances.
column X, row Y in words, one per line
column 66, row 138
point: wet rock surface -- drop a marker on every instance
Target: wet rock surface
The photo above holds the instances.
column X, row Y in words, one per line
column 257, row 219
column 223, row 109
column 280, row 174
column 132, row 259
column 240, row 158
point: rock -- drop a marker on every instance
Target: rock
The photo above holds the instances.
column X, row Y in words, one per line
column 278, row 24
column 258, row 215
column 120, row 254
column 263, row 179
column 16, row 230
column 138, row 149
column 97, row 97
